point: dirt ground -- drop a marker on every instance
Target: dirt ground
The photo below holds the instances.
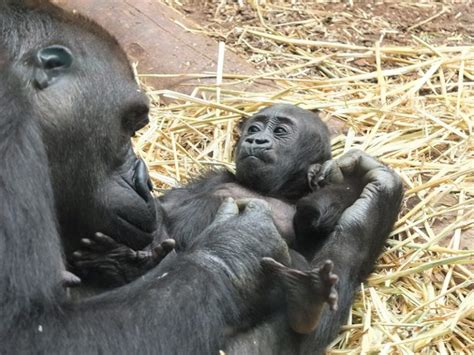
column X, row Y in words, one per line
column 360, row 23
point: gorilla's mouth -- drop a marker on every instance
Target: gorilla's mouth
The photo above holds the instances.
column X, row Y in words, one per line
column 134, row 226
column 252, row 156
column 131, row 217
column 264, row 155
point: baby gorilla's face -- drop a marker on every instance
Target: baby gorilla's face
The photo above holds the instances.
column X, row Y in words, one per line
column 277, row 146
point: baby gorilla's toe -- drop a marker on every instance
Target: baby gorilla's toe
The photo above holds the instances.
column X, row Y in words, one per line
column 315, row 176
column 162, row 250
column 328, row 281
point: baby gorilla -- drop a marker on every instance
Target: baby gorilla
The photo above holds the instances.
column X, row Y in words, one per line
column 280, row 158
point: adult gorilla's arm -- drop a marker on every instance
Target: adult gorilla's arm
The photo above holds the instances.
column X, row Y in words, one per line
column 30, row 254
column 358, row 238
column 191, row 304
column 353, row 247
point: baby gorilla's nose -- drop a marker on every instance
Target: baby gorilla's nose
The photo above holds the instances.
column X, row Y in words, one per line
column 258, row 142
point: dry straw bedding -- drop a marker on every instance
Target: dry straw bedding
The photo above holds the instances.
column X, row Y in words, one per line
column 412, row 107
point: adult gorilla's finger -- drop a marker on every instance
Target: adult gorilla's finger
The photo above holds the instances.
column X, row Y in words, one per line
column 69, row 279
column 256, row 206
column 356, row 162
column 331, row 173
column 227, row 210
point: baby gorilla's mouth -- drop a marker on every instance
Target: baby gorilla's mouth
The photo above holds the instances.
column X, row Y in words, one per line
column 261, row 156
column 253, row 157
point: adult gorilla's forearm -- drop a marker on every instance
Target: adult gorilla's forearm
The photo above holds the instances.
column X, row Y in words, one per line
column 358, row 238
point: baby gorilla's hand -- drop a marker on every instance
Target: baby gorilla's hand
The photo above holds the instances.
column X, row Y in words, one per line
column 315, row 178
column 327, row 173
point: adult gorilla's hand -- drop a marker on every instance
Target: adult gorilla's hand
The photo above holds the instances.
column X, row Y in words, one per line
column 382, row 193
column 363, row 227
column 240, row 236
column 381, row 197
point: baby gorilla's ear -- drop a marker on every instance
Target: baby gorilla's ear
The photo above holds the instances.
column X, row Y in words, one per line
column 240, row 124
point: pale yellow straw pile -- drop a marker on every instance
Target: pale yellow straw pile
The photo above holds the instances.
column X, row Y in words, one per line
column 411, row 106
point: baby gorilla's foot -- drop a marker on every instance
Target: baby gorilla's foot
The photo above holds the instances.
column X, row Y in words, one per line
column 306, row 291
column 115, row 264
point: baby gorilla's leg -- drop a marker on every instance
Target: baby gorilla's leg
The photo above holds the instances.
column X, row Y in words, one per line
column 306, row 292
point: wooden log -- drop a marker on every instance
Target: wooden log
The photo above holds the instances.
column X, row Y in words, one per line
column 151, row 36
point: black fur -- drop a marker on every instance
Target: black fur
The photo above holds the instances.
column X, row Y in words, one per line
column 69, row 137
column 277, row 164
column 277, row 173
column 43, row 144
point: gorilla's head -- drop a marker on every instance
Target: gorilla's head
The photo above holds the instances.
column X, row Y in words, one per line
column 276, row 147
column 83, row 89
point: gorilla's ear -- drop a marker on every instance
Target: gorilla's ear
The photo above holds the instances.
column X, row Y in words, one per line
column 51, row 62
column 241, row 124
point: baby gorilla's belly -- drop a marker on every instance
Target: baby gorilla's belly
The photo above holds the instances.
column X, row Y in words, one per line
column 283, row 212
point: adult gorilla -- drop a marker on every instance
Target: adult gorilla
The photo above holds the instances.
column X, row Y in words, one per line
column 82, row 89
column 185, row 307
column 70, row 77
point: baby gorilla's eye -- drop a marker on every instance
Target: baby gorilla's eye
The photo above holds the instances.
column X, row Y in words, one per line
column 253, row 129
column 280, row 130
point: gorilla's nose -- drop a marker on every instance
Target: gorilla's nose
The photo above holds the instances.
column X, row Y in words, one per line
column 258, row 142
column 143, row 184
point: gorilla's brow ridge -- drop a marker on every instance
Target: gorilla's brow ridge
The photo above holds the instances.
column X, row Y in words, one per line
column 285, row 119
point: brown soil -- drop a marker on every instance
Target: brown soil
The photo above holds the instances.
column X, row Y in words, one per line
column 361, row 23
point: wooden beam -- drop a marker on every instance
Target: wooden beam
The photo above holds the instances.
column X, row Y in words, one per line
column 150, row 34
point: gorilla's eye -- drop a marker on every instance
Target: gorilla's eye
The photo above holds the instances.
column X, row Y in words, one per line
column 253, row 129
column 280, row 130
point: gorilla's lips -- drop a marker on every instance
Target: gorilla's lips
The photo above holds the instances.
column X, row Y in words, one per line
column 132, row 216
column 257, row 155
